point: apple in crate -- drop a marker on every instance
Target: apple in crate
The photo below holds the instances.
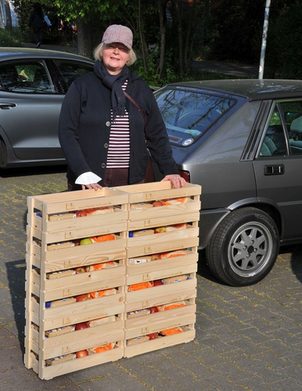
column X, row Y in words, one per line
column 86, row 241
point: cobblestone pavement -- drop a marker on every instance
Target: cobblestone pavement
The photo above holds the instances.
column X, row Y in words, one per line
column 247, row 338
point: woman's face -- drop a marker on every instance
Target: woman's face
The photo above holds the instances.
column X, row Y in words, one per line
column 115, row 56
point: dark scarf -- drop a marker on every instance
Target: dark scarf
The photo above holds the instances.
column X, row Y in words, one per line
column 114, row 82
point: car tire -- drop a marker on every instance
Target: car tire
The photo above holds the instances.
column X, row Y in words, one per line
column 244, row 247
column 3, row 154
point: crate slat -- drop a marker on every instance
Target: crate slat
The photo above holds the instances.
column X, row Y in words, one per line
column 164, row 211
column 161, row 269
column 147, row 192
column 86, row 251
column 157, row 321
column 83, row 339
column 163, row 237
column 160, row 343
column 86, row 362
column 145, row 298
column 163, row 220
column 84, row 311
column 92, row 286
column 159, row 247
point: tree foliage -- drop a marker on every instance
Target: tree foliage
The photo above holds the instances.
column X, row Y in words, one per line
column 169, row 34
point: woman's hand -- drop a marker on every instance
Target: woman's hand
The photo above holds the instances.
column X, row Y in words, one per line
column 176, row 180
column 94, row 186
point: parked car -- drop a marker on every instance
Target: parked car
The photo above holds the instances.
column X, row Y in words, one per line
column 32, row 87
column 242, row 141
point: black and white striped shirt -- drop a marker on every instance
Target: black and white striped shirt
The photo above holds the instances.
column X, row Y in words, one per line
column 119, row 140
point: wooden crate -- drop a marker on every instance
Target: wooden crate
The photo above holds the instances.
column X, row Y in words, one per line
column 142, row 220
column 54, row 284
column 53, row 255
column 141, row 266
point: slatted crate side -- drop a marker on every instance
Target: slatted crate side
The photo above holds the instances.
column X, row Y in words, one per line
column 156, row 321
column 36, row 282
column 83, row 229
column 83, row 277
column 160, row 247
column 83, row 339
column 149, row 297
column 163, row 221
column 157, row 265
column 81, row 223
column 50, row 372
column 112, row 281
column 77, row 312
column 83, row 252
column 143, row 245
column 36, row 250
column 55, row 262
column 34, row 338
column 168, row 323
column 41, row 295
column 160, row 343
column 29, row 309
column 79, row 200
column 35, row 310
column 154, row 191
column 164, row 271
column 137, row 212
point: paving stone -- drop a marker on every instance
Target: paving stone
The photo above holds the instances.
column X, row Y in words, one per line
column 247, row 339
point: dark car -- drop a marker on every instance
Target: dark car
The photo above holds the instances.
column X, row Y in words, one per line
column 33, row 83
column 242, row 141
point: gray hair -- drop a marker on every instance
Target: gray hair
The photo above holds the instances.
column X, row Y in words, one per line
column 98, row 54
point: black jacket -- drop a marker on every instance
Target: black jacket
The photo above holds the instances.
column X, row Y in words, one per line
column 84, row 127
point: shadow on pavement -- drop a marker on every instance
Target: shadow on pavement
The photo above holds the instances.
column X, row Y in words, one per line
column 296, row 261
column 203, row 269
column 16, row 282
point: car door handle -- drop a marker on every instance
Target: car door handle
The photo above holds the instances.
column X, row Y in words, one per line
column 275, row 169
column 6, row 106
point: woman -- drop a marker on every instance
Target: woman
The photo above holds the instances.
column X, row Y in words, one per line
column 103, row 132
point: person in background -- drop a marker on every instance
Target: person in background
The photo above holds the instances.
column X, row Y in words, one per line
column 110, row 121
column 37, row 23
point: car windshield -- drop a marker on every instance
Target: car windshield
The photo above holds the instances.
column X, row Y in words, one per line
column 188, row 113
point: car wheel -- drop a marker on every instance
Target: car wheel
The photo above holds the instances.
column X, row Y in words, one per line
column 3, row 154
column 244, row 247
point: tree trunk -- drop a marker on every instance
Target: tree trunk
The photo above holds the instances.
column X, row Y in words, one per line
column 162, row 31
column 8, row 16
column 180, row 37
column 189, row 39
column 141, row 36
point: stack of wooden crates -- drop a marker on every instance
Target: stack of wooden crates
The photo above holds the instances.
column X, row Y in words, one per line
column 110, row 284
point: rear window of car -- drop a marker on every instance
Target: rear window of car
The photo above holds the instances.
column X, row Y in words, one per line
column 188, row 113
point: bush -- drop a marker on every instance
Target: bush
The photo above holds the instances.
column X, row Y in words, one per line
column 10, row 37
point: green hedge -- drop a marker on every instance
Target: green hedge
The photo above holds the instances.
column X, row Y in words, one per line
column 10, row 37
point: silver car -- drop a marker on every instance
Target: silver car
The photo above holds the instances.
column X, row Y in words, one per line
column 32, row 87
column 242, row 141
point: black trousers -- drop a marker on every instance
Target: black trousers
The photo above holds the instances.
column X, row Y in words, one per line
column 113, row 177
column 118, row 177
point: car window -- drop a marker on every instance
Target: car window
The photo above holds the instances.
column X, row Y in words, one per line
column 274, row 143
column 70, row 70
column 29, row 77
column 292, row 113
column 285, row 116
column 189, row 113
